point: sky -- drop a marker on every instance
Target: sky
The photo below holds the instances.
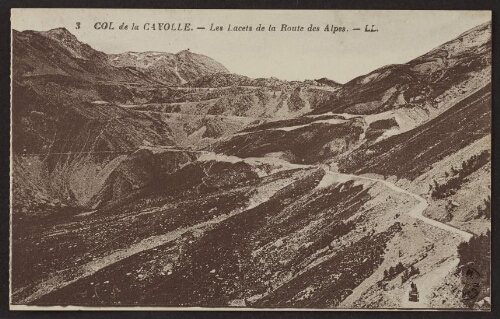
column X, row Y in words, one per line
column 290, row 55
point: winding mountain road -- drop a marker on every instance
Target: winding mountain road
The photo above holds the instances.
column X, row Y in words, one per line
column 424, row 282
column 428, row 281
column 417, row 211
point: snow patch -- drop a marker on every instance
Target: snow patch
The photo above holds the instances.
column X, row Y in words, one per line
column 379, row 116
column 209, row 156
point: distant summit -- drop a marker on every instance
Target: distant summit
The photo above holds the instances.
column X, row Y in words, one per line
column 168, row 68
column 59, row 31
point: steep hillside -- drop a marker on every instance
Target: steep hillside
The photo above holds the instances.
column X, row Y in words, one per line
column 285, row 223
column 58, row 53
column 446, row 89
column 65, row 133
column 146, row 167
column 432, row 82
column 312, row 143
column 461, row 125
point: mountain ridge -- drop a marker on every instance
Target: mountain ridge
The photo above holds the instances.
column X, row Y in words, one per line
column 407, row 84
column 169, row 68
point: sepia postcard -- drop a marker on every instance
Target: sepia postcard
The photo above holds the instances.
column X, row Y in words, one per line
column 250, row 160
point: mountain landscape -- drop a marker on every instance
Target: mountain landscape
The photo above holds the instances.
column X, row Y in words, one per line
column 163, row 179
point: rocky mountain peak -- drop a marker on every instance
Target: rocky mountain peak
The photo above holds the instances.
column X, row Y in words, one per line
column 61, row 32
column 71, row 43
column 184, row 52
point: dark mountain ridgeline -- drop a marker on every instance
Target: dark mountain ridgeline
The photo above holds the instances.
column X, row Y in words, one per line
column 312, row 144
column 468, row 121
column 418, row 83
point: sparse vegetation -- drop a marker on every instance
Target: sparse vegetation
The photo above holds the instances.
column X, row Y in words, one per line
column 477, row 251
column 475, row 256
column 409, row 272
column 485, row 210
column 450, row 187
column 393, row 271
column 344, row 271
